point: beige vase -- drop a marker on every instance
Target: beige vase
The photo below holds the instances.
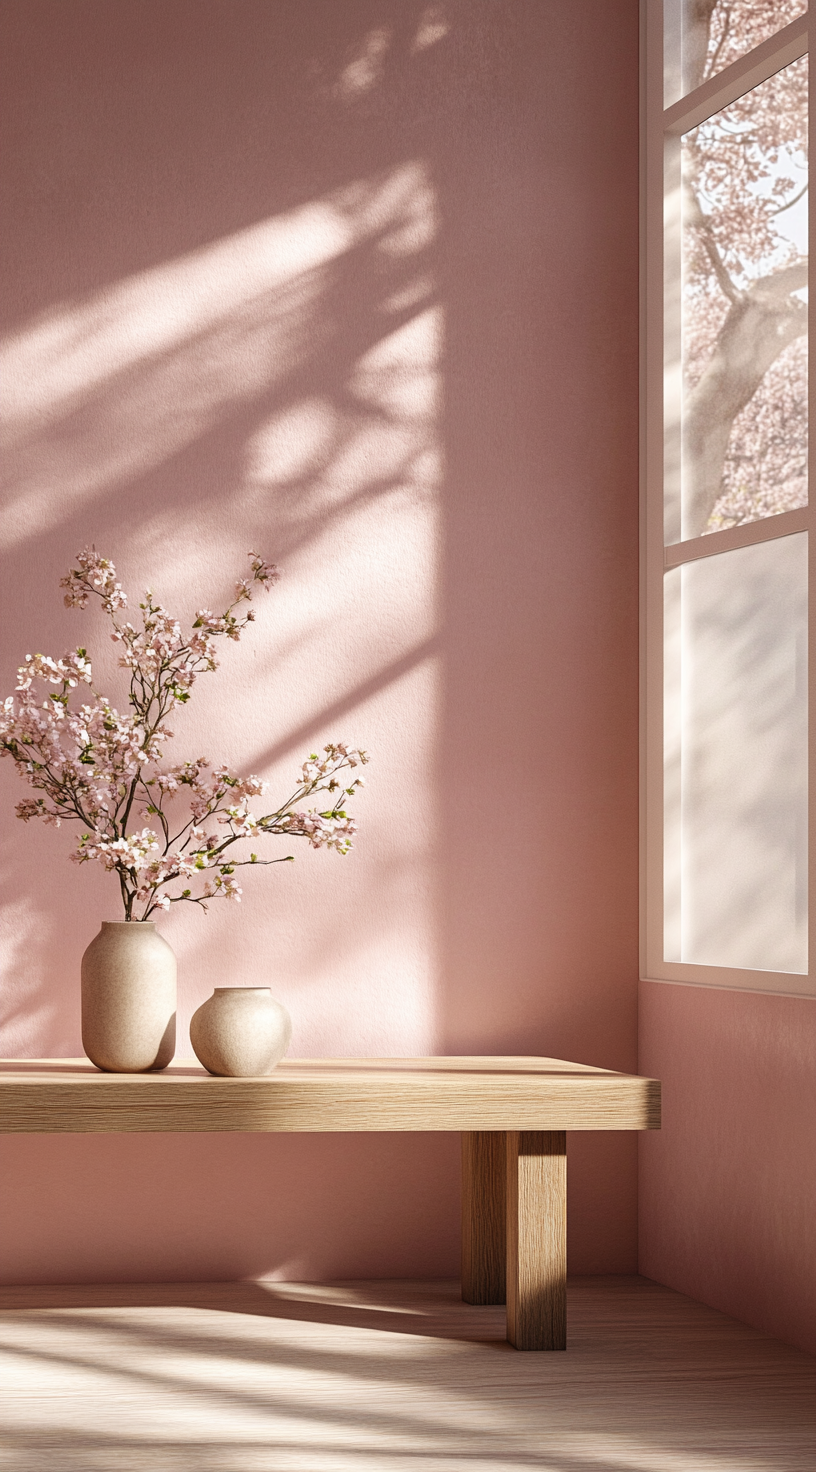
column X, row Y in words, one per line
column 129, row 998
column 241, row 1032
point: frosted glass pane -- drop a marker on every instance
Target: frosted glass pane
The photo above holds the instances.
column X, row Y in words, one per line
column 744, row 308
column 701, row 37
column 736, row 758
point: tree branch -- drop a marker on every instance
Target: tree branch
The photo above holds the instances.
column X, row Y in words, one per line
column 791, row 202
column 758, row 327
column 712, row 67
column 701, row 222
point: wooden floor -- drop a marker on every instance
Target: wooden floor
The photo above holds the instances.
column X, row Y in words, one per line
column 389, row 1377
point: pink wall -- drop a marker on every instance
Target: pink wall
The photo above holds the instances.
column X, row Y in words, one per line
column 355, row 284
column 727, row 1189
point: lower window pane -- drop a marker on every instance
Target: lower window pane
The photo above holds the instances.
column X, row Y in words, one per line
column 736, row 758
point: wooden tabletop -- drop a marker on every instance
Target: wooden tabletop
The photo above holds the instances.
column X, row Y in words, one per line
column 69, row 1095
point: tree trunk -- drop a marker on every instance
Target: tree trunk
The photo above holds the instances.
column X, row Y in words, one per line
column 696, row 31
column 759, row 326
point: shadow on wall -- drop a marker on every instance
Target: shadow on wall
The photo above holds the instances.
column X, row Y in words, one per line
column 276, row 382
column 355, row 285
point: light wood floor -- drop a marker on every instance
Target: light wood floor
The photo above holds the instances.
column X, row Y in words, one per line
column 389, row 1377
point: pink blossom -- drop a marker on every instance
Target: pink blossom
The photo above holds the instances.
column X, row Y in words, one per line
column 89, row 763
column 228, row 888
column 265, row 573
column 93, row 575
column 322, row 830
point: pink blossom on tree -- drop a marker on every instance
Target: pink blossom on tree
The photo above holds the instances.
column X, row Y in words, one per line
column 744, row 353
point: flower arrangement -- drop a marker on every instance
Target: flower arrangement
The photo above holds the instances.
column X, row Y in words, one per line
column 104, row 770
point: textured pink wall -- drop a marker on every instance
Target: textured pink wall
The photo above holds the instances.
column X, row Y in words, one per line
column 355, row 284
column 728, row 1188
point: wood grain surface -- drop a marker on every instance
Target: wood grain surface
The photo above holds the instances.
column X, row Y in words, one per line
column 537, row 1239
column 328, row 1094
column 484, row 1197
column 389, row 1377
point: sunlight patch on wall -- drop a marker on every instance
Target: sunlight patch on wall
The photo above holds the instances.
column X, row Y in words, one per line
column 279, row 389
column 365, row 69
column 99, row 393
column 353, row 483
column 433, row 27
column 294, row 444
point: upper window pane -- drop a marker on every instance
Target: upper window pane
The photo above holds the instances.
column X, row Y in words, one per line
column 743, row 410
column 703, row 36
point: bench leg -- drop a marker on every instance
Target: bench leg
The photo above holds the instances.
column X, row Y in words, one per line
column 483, row 1216
column 537, row 1239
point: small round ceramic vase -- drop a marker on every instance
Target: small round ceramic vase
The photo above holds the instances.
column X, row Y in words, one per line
column 241, row 1032
column 129, row 998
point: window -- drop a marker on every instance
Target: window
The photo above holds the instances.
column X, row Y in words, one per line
column 725, row 494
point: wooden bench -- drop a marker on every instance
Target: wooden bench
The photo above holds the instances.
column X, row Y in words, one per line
column 513, row 1114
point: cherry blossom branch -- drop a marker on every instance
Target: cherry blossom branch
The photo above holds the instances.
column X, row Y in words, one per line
column 791, row 202
column 98, row 767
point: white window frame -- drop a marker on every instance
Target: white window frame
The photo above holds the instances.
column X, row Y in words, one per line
column 657, row 126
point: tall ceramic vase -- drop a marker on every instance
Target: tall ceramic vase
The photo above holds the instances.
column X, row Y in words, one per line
column 129, row 998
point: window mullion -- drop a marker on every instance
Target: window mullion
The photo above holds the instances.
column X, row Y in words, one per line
column 740, row 77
